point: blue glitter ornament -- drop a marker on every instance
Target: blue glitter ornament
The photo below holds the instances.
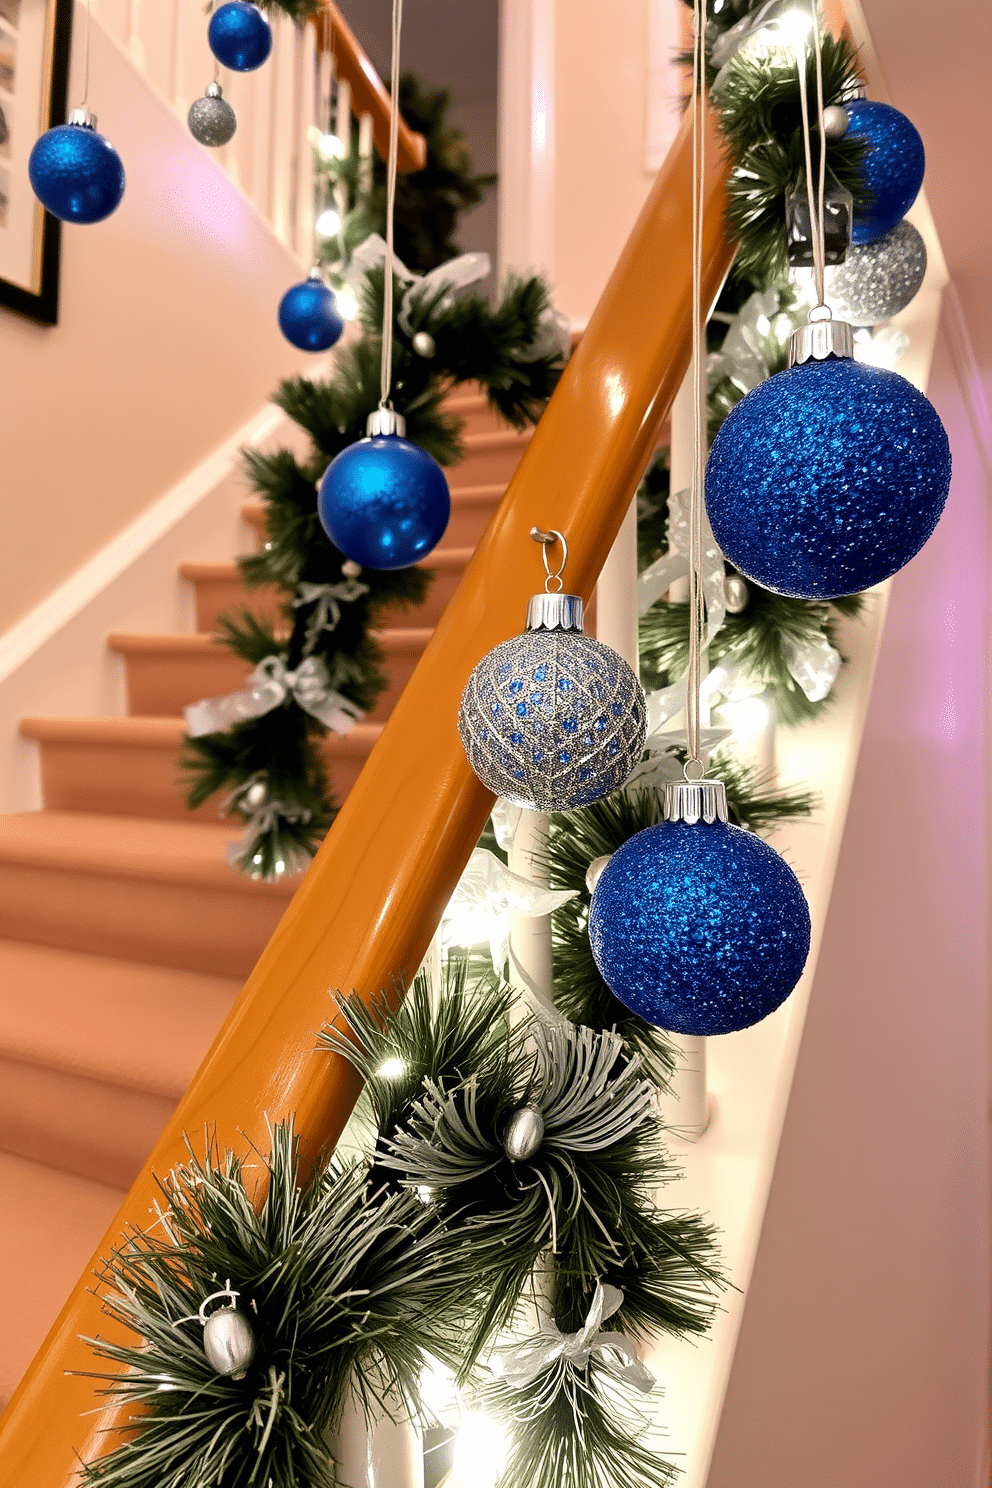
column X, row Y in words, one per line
column 829, row 477
column 384, row 501
column 75, row 173
column 697, row 926
column 308, row 315
column 553, row 719
column 892, row 170
column 240, row 36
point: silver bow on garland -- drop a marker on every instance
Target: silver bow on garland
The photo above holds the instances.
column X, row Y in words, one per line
column 521, row 1364
column 268, row 686
column 488, row 894
column 447, row 279
column 328, row 598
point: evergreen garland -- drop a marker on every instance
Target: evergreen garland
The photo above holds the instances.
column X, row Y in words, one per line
column 279, row 752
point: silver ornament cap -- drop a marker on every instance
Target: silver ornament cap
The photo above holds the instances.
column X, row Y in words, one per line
column 228, row 1342
column 83, row 118
column 820, row 339
column 693, row 801
column 385, row 421
column 524, row 1134
column 211, row 119
column 554, row 612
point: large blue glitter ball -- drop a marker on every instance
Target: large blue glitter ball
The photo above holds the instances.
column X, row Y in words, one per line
column 552, row 719
column 76, row 174
column 240, row 36
column 384, row 502
column 892, row 169
column 827, row 478
column 308, row 316
column 699, row 929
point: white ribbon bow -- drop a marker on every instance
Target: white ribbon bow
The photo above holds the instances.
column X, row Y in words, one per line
column 488, row 894
column 521, row 1364
column 328, row 611
column 267, row 687
column 447, row 279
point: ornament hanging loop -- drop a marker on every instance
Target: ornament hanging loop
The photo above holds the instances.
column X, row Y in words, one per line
column 547, row 540
column 693, row 769
column 226, row 1292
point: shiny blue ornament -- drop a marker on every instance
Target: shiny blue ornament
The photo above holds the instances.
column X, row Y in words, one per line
column 699, row 928
column 308, row 315
column 384, row 502
column 75, row 173
column 892, row 170
column 240, row 36
column 827, row 478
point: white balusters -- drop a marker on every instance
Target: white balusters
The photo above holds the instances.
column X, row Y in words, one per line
column 283, row 111
column 309, row 96
column 177, row 70
column 364, row 155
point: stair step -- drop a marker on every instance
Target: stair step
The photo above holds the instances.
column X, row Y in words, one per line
column 128, row 767
column 490, row 456
column 151, row 891
column 51, row 1222
column 114, row 1043
column 472, row 509
column 219, row 589
column 167, row 672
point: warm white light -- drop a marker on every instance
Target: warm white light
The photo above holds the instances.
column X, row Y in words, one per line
column 391, row 1069
column 468, row 925
column 883, row 349
column 480, row 1452
column 762, row 325
column 328, row 223
column 748, row 717
column 331, row 147
column 347, row 302
column 438, row 1390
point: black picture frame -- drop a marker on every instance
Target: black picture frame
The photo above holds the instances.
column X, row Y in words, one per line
column 41, row 302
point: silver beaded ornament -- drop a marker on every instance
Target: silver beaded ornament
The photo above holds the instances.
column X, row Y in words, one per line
column 524, row 1134
column 878, row 279
column 553, row 719
column 211, row 119
column 228, row 1339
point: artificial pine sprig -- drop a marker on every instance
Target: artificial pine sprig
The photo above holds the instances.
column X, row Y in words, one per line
column 756, row 641
column 577, row 838
column 337, row 1283
column 759, row 112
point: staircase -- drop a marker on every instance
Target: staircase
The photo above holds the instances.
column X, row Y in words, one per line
column 125, row 936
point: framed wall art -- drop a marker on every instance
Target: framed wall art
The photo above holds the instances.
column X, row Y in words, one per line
column 35, row 37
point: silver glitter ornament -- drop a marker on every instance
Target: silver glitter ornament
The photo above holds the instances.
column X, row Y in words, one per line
column 211, row 119
column 553, row 719
column 878, row 279
column 255, row 795
column 228, row 1342
column 524, row 1134
column 423, row 344
column 735, row 594
column 595, row 869
column 835, row 121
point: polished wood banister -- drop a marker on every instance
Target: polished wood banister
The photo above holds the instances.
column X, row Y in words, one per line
column 373, row 896
column 368, row 95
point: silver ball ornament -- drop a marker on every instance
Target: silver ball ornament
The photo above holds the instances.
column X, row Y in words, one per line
column 524, row 1134
column 255, row 796
column 878, row 279
column 424, row 344
column 735, row 594
column 553, row 719
column 835, row 121
column 350, row 569
column 594, row 871
column 212, row 121
column 228, row 1342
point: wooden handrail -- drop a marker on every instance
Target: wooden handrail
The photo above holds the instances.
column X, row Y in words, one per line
column 368, row 96
column 373, row 896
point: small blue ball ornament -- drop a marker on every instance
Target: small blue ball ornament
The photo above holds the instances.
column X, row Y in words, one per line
column 553, row 719
column 697, row 926
column 239, row 36
column 892, row 169
column 308, row 315
column 75, row 173
column 384, row 501
column 829, row 477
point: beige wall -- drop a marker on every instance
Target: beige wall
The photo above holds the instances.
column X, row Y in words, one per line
column 167, row 343
column 601, row 116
